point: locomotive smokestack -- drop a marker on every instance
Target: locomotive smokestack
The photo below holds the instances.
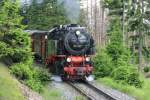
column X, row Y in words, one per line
column 72, row 8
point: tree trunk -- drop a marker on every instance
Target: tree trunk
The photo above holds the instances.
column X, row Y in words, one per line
column 140, row 51
column 141, row 38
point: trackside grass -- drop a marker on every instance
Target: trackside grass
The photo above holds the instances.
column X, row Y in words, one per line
column 138, row 93
column 51, row 94
column 9, row 89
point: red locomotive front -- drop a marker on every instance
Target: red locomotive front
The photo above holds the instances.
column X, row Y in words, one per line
column 78, row 66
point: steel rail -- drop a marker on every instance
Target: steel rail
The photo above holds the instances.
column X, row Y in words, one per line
column 80, row 90
column 91, row 87
column 109, row 97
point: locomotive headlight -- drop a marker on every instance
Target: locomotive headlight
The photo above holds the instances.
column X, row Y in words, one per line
column 45, row 36
column 78, row 32
column 87, row 59
column 68, row 59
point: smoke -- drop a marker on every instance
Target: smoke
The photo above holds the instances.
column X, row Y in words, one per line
column 72, row 8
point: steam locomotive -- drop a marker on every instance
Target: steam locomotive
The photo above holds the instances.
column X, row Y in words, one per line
column 66, row 50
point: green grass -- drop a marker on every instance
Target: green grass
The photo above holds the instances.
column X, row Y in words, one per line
column 9, row 89
column 139, row 93
column 54, row 94
column 51, row 94
column 79, row 98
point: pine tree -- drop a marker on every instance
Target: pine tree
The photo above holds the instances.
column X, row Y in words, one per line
column 14, row 43
column 45, row 15
column 135, row 18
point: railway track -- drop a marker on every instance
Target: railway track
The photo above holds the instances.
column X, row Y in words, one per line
column 90, row 91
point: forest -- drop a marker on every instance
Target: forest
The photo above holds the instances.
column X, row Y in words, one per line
column 120, row 29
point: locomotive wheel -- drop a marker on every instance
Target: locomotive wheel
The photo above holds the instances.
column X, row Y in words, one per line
column 64, row 77
column 51, row 67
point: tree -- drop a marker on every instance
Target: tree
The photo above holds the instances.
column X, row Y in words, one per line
column 139, row 23
column 14, row 43
column 117, row 59
column 134, row 15
column 45, row 15
column 118, row 8
column 115, row 48
column 82, row 18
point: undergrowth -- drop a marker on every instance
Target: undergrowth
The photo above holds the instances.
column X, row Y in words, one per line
column 114, row 60
column 51, row 94
column 137, row 93
column 34, row 77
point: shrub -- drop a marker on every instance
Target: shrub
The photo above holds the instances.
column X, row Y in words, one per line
column 120, row 73
column 114, row 50
column 21, row 71
column 102, row 64
column 21, row 55
column 42, row 75
column 34, row 77
column 133, row 79
column 4, row 49
column 127, row 75
column 146, row 69
column 34, row 84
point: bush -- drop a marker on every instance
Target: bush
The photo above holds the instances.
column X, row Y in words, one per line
column 21, row 55
column 42, row 75
column 21, row 71
column 120, row 73
column 34, row 84
column 127, row 75
column 114, row 50
column 4, row 49
column 34, row 77
column 133, row 79
column 102, row 64
column 146, row 69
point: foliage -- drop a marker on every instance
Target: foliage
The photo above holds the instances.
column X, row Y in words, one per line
column 127, row 74
column 35, row 78
column 115, row 61
column 120, row 71
column 134, row 15
column 4, row 49
column 41, row 74
column 43, row 16
column 8, row 85
column 21, row 71
column 14, row 42
column 146, row 69
column 82, row 18
column 116, row 48
column 112, row 4
column 36, row 85
column 102, row 64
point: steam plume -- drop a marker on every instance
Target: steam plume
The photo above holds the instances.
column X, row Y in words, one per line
column 72, row 8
